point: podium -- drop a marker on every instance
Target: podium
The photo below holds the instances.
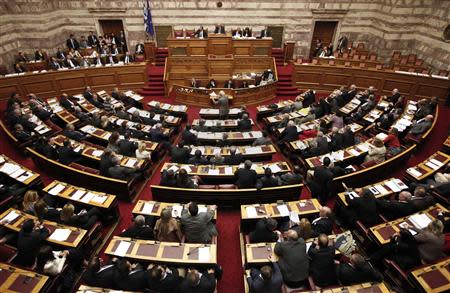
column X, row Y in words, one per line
column 220, row 44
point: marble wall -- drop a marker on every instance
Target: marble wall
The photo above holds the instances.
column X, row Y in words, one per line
column 412, row 26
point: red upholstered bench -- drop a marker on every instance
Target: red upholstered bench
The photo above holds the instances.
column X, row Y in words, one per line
column 226, row 186
column 207, row 186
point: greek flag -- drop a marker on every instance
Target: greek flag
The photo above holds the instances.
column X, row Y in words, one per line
column 148, row 19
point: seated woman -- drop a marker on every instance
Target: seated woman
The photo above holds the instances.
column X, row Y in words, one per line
column 377, row 151
column 167, row 228
column 392, row 142
column 430, row 241
column 113, row 142
column 84, row 219
column 30, row 198
column 142, row 153
column 303, row 228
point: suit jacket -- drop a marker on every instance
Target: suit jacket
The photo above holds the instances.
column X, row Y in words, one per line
column 290, row 178
column 104, row 278
column 127, row 147
column 219, row 29
column 66, row 103
column 430, row 245
column 180, row 155
column 349, row 138
column 235, row 159
column 22, row 135
column 138, row 232
column 67, row 155
column 92, row 40
column 207, row 285
column 262, row 234
column 167, row 285
column 365, row 209
column 245, row 125
column 289, row 134
column 349, row 275
column 258, row 285
column 73, row 44
column 135, row 281
column 75, row 135
column 54, row 65
column 323, row 177
column 198, row 229
column 337, row 141
column 395, row 209
column 322, row 265
column 28, row 245
column 188, row 137
column 322, row 225
column 198, row 161
column 420, row 127
column 105, row 163
column 293, row 261
column 264, row 33
column 245, row 178
column 197, row 33
column 120, row 172
column 394, row 98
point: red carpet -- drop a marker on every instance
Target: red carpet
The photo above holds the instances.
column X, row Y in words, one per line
column 229, row 256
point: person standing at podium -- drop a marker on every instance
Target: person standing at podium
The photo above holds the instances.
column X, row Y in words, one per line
column 265, row 33
column 224, row 106
column 220, row 29
column 201, row 33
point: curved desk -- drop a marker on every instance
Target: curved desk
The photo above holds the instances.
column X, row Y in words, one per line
column 328, row 78
column 73, row 81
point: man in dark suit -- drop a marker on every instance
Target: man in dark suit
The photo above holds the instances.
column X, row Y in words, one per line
column 99, row 276
column 394, row 209
column 422, row 125
column 292, row 258
column 198, row 226
column 348, row 137
column 156, row 134
column 265, row 33
column 323, row 224
column 127, row 58
column 357, row 271
column 119, row 172
column 139, row 49
column 337, row 139
column 71, row 133
column 421, row 200
column 395, row 96
column 289, row 178
column 198, row 159
column 199, row 283
column 180, row 154
column 70, row 63
column 54, row 65
column 21, row 134
column 106, row 161
column 201, row 33
column 229, row 84
column 322, row 262
column 245, row 124
column 41, row 113
column 233, row 158
column 267, row 180
column 127, row 147
column 67, row 155
column 29, row 241
column 92, row 40
column 363, row 208
column 168, row 178
column 321, row 185
column 138, row 230
column 265, row 280
column 60, row 55
column 289, row 133
column 46, row 148
column 72, row 43
column 264, row 231
column 342, row 44
column 246, row 177
column 219, row 29
column 162, row 279
column 130, row 277
column 188, row 137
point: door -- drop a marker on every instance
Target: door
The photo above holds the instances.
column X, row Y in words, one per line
column 110, row 26
column 324, row 31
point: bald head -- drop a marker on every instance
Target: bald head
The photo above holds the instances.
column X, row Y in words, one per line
column 292, row 235
column 324, row 211
column 404, row 196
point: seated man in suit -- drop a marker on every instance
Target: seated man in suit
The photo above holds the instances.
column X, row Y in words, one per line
column 130, row 277
column 198, row 159
column 66, row 103
column 265, row 280
column 29, row 241
column 229, row 84
column 156, row 134
column 54, row 64
column 219, row 29
column 119, row 172
column 289, row 133
column 71, row 133
column 422, row 125
column 70, row 62
column 363, row 208
column 394, row 209
column 337, row 139
column 292, row 259
column 267, row 180
column 97, row 275
column 168, row 178
column 196, row 282
column 211, row 84
column 106, row 161
column 180, row 154
column 127, row 58
column 265, row 33
column 217, row 159
column 245, row 124
column 162, row 279
column 357, row 271
column 233, row 158
column 72, row 43
column 188, row 137
column 41, row 113
column 139, row 230
column 421, row 199
column 67, row 155
column 201, row 33
column 198, row 226
column 21, row 134
column 322, row 261
column 127, row 147
column 323, row 224
column 290, row 178
column 246, row 177
column 60, row 55
column 265, row 231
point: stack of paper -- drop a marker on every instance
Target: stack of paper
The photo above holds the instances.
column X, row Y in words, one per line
column 60, row 234
column 414, row 172
column 202, row 209
column 176, row 211
column 122, row 248
column 251, row 212
column 431, row 165
column 381, row 189
column 87, row 198
column 78, row 194
column 213, row 172
column 9, row 168
column 174, row 168
column 228, row 170
column 203, row 254
column 275, row 168
column 393, row 186
column 148, row 208
column 283, row 209
column 436, row 162
column 97, row 153
column 57, row 189
column 100, row 199
column 10, row 217
column 420, row 221
column 17, row 173
column 131, row 162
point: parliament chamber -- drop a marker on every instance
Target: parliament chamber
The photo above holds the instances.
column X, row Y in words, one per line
column 208, row 146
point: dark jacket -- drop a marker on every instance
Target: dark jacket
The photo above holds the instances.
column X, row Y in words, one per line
column 119, row 172
column 105, row 163
column 188, row 137
column 245, row 125
column 293, row 261
column 168, row 285
column 235, row 159
column 127, row 147
column 322, row 265
column 365, row 210
column 75, row 135
column 207, row 285
column 349, row 275
column 258, row 285
column 28, row 245
column 135, row 232
column 322, row 225
column 135, row 281
column 104, row 278
column 180, row 155
column 245, row 178
column 67, row 155
column 289, row 134
column 262, row 234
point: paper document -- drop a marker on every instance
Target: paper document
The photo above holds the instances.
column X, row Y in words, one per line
column 275, row 168
column 10, row 217
column 173, row 168
column 78, row 194
column 203, row 254
column 436, row 162
column 431, row 165
column 87, row 198
column 97, row 153
column 202, row 209
column 393, row 186
column 414, row 172
column 17, row 173
column 148, row 208
column 308, row 245
column 60, row 234
column 381, row 189
column 228, row 170
column 100, row 199
column 122, row 248
column 213, row 172
column 57, row 189
column 9, row 168
column 293, row 216
column 130, row 163
column 176, row 211
column 283, row 209
column 400, row 183
column 420, row 221
column 251, row 212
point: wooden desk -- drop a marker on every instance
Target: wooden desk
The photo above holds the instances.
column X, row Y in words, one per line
column 327, row 78
column 176, row 110
column 154, row 208
column 292, row 115
column 313, row 124
column 264, row 110
column 382, row 189
column 405, row 120
column 80, row 195
column 171, row 120
column 350, row 107
column 143, row 127
column 14, row 279
column 433, row 278
column 18, row 172
column 132, row 95
column 94, row 153
column 163, row 252
column 209, row 113
column 233, row 137
column 225, row 171
column 55, row 83
column 63, row 114
column 104, row 135
column 304, row 208
column 73, row 240
column 254, row 152
column 228, row 123
column 382, row 233
column 376, row 113
column 428, row 167
column 91, row 289
column 447, row 144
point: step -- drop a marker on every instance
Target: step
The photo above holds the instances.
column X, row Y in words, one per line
column 155, row 83
column 147, row 93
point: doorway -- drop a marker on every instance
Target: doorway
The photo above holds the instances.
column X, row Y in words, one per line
column 324, row 31
column 111, row 26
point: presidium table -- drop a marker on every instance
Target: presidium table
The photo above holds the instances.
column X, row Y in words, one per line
column 219, row 57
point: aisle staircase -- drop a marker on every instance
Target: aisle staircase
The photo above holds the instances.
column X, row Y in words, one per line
column 285, row 90
column 160, row 58
column 278, row 54
column 154, row 87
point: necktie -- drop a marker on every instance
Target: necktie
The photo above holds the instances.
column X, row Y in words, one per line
column 73, row 45
column 126, row 59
